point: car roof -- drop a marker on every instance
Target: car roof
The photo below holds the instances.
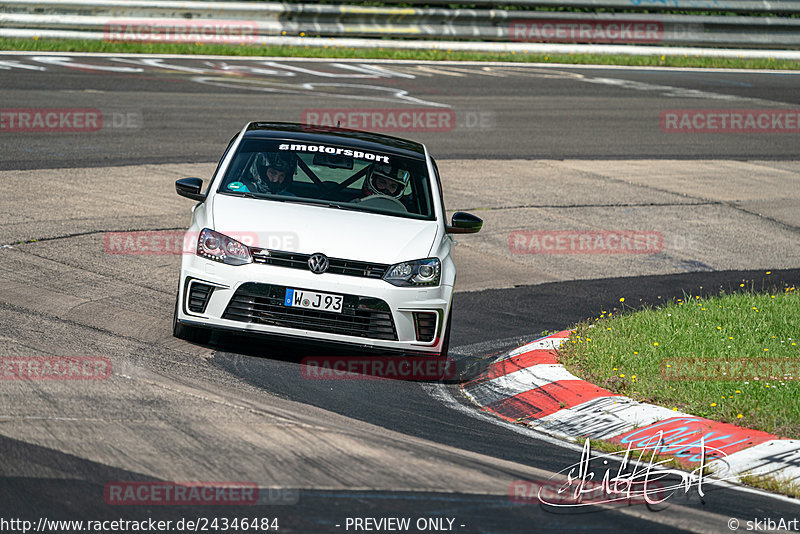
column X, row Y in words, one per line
column 336, row 136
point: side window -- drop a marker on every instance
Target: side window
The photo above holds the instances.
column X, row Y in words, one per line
column 230, row 144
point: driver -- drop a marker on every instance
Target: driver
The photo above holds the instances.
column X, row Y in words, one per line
column 384, row 180
column 274, row 172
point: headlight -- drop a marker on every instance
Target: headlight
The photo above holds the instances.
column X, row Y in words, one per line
column 219, row 247
column 414, row 273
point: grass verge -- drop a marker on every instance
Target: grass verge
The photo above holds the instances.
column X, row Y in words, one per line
column 335, row 52
column 774, row 484
column 732, row 358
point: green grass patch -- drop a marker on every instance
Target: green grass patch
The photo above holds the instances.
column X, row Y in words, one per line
column 336, row 52
column 733, row 358
column 785, row 486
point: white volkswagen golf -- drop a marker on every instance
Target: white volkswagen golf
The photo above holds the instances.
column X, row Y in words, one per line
column 324, row 236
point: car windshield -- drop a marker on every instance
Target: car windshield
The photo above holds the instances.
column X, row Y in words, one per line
column 332, row 175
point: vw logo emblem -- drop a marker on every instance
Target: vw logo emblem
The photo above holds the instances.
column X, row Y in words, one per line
column 318, row 263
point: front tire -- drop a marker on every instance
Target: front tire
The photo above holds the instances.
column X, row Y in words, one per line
column 192, row 334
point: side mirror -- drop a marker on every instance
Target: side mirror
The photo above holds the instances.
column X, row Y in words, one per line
column 464, row 223
column 190, row 188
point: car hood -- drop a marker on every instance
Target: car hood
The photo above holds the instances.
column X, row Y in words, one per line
column 337, row 233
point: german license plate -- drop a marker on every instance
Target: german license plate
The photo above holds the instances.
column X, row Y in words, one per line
column 300, row 298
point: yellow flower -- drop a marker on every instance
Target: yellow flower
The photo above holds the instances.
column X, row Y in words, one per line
column 713, row 404
column 655, row 343
column 635, row 352
column 622, row 299
column 719, row 328
column 674, row 409
column 739, row 416
column 737, row 391
column 622, row 375
column 741, row 285
column 769, row 272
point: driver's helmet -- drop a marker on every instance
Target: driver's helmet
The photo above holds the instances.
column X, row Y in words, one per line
column 384, row 180
column 279, row 161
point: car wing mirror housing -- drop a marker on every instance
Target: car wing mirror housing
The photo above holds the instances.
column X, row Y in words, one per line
column 190, row 188
column 464, row 223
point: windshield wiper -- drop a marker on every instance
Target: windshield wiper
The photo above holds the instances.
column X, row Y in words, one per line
column 337, row 206
column 245, row 194
column 249, row 194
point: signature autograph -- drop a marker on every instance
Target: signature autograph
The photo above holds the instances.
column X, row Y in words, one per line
column 638, row 478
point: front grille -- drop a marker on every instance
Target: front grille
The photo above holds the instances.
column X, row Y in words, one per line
column 264, row 304
column 425, row 325
column 198, row 297
column 335, row 265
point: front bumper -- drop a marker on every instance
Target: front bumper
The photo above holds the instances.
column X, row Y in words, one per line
column 249, row 299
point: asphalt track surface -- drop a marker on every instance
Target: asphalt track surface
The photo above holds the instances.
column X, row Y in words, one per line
column 508, row 111
column 398, row 429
